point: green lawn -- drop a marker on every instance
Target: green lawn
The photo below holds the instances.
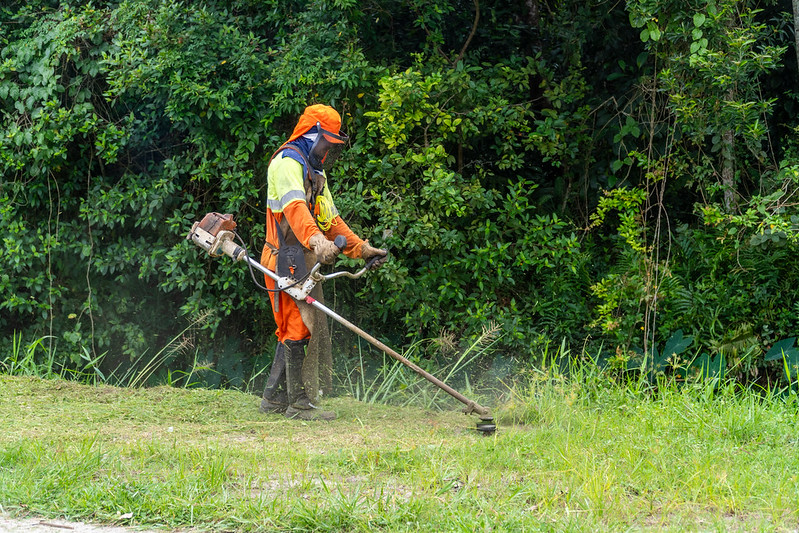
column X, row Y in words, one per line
column 581, row 457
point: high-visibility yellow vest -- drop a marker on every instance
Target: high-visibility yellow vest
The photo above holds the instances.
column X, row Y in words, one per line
column 286, row 184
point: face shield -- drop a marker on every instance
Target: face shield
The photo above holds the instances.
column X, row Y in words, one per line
column 326, row 148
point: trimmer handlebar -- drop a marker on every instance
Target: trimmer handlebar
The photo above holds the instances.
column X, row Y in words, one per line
column 215, row 234
column 341, row 243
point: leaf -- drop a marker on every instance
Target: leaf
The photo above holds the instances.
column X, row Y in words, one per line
column 659, row 360
column 654, row 33
column 677, row 343
column 644, row 35
column 711, row 368
column 699, row 19
column 784, row 348
column 785, row 352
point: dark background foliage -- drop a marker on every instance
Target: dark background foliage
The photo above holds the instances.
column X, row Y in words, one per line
column 603, row 175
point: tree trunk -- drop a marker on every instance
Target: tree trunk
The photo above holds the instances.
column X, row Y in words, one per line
column 728, row 162
column 795, row 4
column 728, row 170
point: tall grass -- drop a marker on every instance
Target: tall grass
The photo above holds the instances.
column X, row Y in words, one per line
column 36, row 359
column 22, row 361
column 394, row 383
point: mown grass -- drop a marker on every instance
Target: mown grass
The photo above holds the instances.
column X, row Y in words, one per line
column 575, row 454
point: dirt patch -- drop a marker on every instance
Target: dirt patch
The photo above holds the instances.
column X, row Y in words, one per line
column 9, row 524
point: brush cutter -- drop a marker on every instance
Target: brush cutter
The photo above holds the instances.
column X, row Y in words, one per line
column 215, row 234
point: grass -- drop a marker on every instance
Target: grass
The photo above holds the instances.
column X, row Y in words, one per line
column 572, row 454
column 395, row 384
column 36, row 359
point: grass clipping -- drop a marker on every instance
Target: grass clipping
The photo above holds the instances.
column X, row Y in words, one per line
column 579, row 456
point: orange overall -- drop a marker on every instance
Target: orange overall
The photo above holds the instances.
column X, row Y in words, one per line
column 287, row 193
column 289, row 323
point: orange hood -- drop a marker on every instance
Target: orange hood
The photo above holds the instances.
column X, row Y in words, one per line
column 324, row 114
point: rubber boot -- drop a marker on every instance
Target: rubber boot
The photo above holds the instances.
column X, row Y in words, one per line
column 275, row 398
column 300, row 405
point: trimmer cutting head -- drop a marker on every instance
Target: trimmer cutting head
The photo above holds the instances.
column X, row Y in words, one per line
column 486, row 425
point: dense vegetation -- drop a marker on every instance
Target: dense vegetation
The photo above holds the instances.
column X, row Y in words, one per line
column 614, row 175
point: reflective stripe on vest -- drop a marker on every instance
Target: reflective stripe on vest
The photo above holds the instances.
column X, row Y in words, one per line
column 287, row 178
column 278, row 205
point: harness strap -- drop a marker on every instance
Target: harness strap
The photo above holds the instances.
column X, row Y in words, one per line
column 289, row 249
column 314, row 183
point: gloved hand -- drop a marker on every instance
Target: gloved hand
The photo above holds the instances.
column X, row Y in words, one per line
column 326, row 251
column 368, row 252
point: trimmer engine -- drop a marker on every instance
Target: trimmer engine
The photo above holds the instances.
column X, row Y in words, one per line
column 214, row 234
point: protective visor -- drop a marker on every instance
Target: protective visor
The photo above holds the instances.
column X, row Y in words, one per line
column 326, row 148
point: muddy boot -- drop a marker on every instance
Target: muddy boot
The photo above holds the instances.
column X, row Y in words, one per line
column 275, row 398
column 299, row 404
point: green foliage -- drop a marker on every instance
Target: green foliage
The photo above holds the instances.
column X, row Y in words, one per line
column 124, row 124
column 477, row 222
column 669, row 358
column 786, row 353
column 609, row 174
column 708, row 154
column 713, row 57
column 622, row 291
column 22, row 362
column 38, row 359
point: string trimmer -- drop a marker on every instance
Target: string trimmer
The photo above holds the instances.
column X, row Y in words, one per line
column 215, row 234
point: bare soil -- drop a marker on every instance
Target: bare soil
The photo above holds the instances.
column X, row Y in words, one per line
column 9, row 524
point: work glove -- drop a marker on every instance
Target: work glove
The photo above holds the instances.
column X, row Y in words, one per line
column 326, row 251
column 368, row 252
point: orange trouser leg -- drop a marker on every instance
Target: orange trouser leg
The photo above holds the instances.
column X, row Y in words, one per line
column 290, row 326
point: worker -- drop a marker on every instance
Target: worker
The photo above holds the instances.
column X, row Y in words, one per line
column 301, row 224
